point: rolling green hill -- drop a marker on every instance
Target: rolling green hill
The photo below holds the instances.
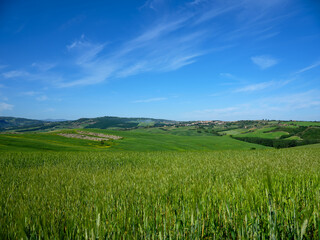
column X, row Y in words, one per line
column 144, row 134
column 27, row 125
column 12, row 122
column 158, row 180
column 264, row 133
column 132, row 141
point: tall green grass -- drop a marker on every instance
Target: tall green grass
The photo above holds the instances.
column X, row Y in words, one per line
column 267, row 194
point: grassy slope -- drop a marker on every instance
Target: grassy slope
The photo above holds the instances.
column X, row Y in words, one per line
column 294, row 138
column 234, row 131
column 180, row 131
column 43, row 141
column 146, row 141
column 261, row 133
column 132, row 141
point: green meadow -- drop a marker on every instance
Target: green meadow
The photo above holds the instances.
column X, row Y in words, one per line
column 157, row 183
column 264, row 133
column 135, row 140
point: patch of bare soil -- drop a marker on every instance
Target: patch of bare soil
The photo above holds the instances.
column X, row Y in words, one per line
column 92, row 136
column 100, row 135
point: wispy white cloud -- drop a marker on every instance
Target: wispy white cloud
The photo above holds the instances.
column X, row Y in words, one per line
column 42, row 98
column 31, row 93
column 93, row 74
column 15, row 74
column 256, row 20
column 216, row 12
column 44, row 76
column 158, row 47
column 171, row 41
column 78, row 43
column 275, row 107
column 255, row 87
column 230, row 76
column 316, row 64
column 263, row 85
column 39, row 96
column 296, row 101
column 150, row 100
column 5, row 106
column 131, row 70
column 85, row 50
column 264, row 61
column 197, row 2
column 181, row 61
column 267, row 36
column 43, row 66
column 227, row 75
column 153, row 4
column 155, row 51
column 237, row 112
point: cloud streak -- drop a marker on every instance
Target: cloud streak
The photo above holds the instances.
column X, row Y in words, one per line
column 15, row 74
column 171, row 41
column 30, row 93
column 255, row 87
column 39, row 96
column 263, row 85
column 42, row 98
column 152, row 50
column 317, row 64
column 275, row 107
column 264, row 61
column 43, row 67
column 5, row 106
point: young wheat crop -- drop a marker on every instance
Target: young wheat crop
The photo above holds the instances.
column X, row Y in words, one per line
column 269, row 194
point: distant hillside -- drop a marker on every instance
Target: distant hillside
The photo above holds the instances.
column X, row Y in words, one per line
column 27, row 125
column 54, row 120
column 11, row 122
column 117, row 122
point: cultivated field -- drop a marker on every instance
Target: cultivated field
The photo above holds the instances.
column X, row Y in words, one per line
column 142, row 140
column 258, row 194
column 172, row 182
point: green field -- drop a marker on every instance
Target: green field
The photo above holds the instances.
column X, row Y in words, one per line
column 136, row 140
column 264, row 133
column 158, row 183
column 294, row 138
column 234, row 131
column 258, row 194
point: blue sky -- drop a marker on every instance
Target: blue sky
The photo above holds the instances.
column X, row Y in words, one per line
column 180, row 60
